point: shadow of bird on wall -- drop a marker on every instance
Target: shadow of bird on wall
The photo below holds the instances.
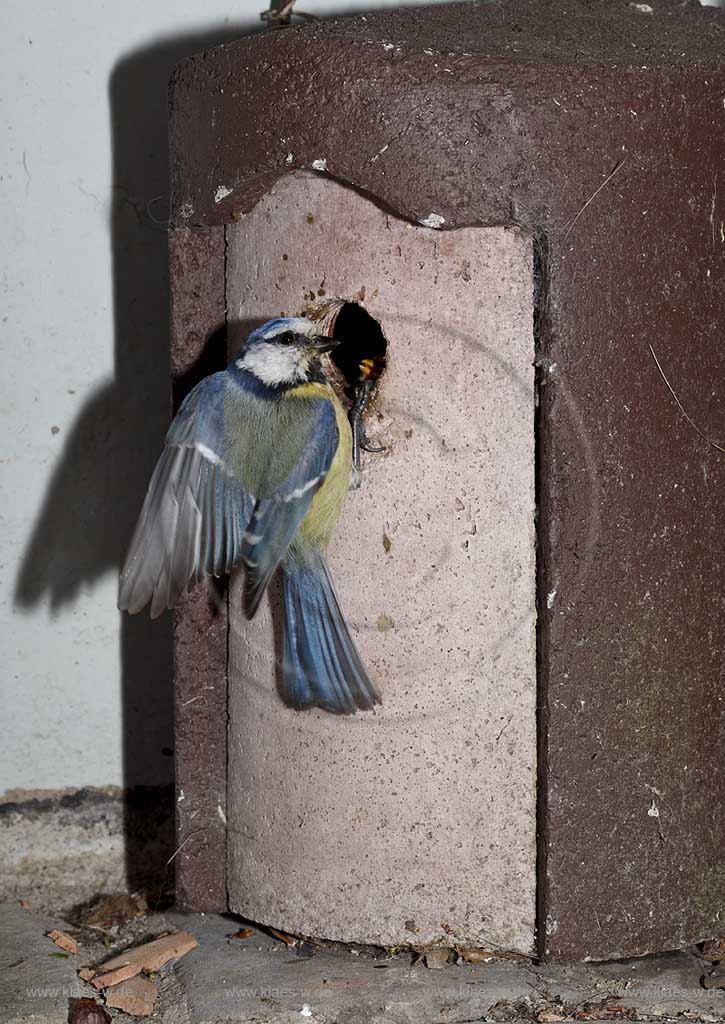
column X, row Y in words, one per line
column 97, row 487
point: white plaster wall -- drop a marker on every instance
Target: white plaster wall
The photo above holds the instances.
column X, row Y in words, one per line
column 86, row 699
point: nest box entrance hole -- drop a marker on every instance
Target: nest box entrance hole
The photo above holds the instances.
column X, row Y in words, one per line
column 363, row 351
column 360, row 361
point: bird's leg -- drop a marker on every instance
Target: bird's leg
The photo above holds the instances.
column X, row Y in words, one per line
column 363, row 394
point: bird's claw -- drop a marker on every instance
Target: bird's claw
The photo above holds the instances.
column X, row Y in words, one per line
column 365, row 444
column 360, row 440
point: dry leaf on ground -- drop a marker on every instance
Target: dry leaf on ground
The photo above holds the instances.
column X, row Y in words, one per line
column 115, row 909
column 714, row 949
column 435, row 959
column 716, row 979
column 88, row 1011
column 476, row 956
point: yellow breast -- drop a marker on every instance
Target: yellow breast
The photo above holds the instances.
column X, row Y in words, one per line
column 324, row 511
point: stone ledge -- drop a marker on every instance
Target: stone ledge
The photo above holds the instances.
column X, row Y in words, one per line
column 60, row 849
column 232, row 981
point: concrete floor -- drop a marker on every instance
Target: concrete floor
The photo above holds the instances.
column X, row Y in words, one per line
column 263, row 981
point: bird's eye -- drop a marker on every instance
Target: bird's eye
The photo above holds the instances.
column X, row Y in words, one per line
column 286, row 338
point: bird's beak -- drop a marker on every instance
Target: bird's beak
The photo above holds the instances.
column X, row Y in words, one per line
column 321, row 343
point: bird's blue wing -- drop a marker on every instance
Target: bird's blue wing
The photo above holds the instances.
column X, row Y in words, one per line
column 193, row 519
column 275, row 520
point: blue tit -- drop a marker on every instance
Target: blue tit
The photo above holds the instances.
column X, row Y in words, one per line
column 254, row 471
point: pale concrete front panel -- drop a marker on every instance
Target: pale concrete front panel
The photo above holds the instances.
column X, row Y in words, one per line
column 415, row 824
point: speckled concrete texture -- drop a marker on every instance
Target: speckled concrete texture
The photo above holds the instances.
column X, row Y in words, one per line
column 414, row 825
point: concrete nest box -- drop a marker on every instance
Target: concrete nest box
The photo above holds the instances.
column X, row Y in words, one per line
column 521, row 211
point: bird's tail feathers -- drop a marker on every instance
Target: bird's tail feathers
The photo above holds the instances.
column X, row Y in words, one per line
column 321, row 667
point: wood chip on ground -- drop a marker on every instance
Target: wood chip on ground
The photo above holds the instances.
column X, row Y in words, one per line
column 289, row 940
column 149, row 957
column 244, row 933
column 64, row 941
column 135, row 996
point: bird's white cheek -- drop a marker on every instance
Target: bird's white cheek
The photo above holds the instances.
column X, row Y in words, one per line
column 275, row 365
